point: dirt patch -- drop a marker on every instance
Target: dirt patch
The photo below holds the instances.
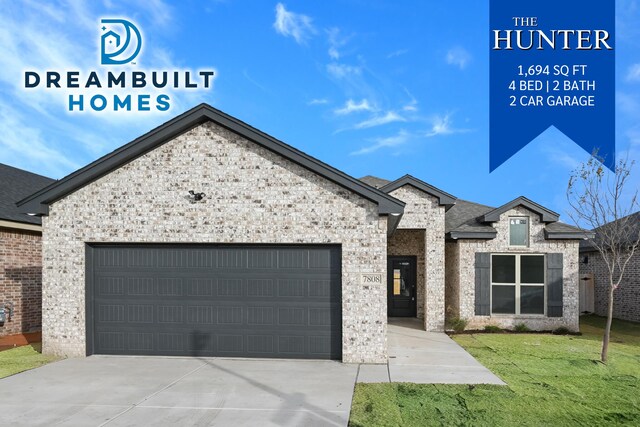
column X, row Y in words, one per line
column 19, row 340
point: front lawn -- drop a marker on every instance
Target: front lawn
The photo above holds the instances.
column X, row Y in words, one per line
column 22, row 359
column 552, row 381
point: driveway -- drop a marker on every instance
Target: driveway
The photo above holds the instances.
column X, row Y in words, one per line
column 133, row 391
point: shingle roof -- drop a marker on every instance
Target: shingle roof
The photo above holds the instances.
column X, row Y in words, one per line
column 463, row 217
column 16, row 184
column 561, row 227
column 634, row 229
column 374, row 181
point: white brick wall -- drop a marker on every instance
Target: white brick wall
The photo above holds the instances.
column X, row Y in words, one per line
column 422, row 211
column 252, row 196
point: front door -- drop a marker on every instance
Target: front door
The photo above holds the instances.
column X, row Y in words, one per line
column 401, row 286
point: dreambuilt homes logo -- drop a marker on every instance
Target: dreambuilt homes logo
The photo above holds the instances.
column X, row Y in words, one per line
column 119, row 85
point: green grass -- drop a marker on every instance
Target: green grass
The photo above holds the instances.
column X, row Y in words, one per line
column 22, row 359
column 552, row 380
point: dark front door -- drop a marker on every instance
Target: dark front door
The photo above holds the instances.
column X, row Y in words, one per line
column 215, row 300
column 401, row 286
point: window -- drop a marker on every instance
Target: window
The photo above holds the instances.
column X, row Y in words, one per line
column 517, row 284
column 518, row 231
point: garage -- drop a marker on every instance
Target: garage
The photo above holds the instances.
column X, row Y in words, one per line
column 214, row 300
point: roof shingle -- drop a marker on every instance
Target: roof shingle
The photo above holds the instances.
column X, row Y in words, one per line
column 15, row 184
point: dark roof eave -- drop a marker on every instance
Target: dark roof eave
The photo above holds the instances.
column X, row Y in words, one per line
column 444, row 199
column 392, row 223
column 38, row 202
column 565, row 235
column 485, row 235
column 546, row 215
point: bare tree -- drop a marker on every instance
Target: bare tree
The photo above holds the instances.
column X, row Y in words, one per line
column 600, row 201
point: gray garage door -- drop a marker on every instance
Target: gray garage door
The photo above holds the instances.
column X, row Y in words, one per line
column 235, row 301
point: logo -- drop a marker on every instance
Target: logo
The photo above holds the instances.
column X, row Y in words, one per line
column 116, row 47
column 110, row 88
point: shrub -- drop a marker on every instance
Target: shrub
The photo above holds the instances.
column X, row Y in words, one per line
column 458, row 324
column 521, row 327
column 492, row 329
column 562, row 330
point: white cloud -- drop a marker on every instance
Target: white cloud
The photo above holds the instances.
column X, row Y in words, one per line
column 336, row 42
column 392, row 141
column 443, row 125
column 291, row 24
column 380, row 120
column 251, row 80
column 412, row 105
column 634, row 73
column 398, row 52
column 627, row 103
column 340, row 71
column 633, row 135
column 160, row 12
column 352, row 107
column 318, row 101
column 25, row 144
column 458, row 56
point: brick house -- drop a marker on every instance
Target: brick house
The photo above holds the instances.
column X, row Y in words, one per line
column 20, row 253
column 626, row 299
column 208, row 237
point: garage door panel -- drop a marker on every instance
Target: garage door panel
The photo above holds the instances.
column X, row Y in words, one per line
column 216, row 301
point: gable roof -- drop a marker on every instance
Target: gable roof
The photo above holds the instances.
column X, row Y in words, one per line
column 467, row 220
column 445, row 199
column 14, row 185
column 546, row 215
column 39, row 202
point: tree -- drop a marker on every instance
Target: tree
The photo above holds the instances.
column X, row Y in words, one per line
column 600, row 201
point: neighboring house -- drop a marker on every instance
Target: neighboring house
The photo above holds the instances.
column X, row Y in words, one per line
column 626, row 299
column 208, row 237
column 20, row 253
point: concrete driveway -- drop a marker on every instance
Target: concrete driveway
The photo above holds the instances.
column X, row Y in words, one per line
column 134, row 391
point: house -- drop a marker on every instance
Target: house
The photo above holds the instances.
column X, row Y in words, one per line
column 626, row 299
column 208, row 237
column 20, row 253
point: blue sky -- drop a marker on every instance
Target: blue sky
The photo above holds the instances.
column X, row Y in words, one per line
column 383, row 88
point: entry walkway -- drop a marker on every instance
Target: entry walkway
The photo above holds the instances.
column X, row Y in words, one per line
column 416, row 356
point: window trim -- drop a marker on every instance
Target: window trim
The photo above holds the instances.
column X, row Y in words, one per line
column 527, row 237
column 518, row 285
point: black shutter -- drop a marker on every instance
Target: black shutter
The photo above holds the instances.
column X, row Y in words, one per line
column 483, row 284
column 554, row 285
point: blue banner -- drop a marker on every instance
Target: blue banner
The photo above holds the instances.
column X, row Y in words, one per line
column 552, row 63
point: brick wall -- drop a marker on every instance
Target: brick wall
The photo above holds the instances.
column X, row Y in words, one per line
column 423, row 212
column 21, row 279
column 452, row 280
column 626, row 299
column 252, row 196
